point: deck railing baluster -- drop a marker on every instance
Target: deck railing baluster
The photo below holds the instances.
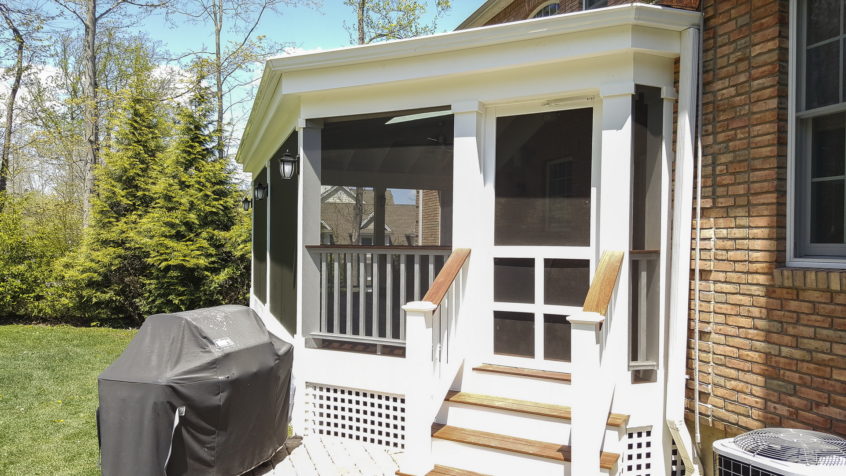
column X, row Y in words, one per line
column 362, row 293
column 402, row 295
column 348, row 296
column 416, row 277
column 389, row 294
column 324, row 327
column 336, row 293
column 375, row 329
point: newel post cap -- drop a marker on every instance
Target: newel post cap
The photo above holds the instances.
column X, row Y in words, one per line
column 587, row 319
column 419, row 307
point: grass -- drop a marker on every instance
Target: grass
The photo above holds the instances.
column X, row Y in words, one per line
column 48, row 396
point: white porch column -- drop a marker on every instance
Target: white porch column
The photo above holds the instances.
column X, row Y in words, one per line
column 615, row 212
column 585, row 435
column 419, row 409
column 597, row 367
column 469, row 223
column 467, row 180
column 615, row 169
column 308, row 271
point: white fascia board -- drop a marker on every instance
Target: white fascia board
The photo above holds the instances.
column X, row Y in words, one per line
column 635, row 14
column 637, row 27
column 487, row 59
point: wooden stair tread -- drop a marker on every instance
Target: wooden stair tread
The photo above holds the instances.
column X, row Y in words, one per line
column 446, row 471
column 533, row 373
column 523, row 406
column 496, row 441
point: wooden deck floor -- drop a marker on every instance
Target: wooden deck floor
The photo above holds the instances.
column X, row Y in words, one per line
column 329, row 456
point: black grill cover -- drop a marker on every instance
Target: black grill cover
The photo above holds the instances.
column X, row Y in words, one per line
column 221, row 365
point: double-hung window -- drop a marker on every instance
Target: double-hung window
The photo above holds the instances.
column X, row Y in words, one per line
column 819, row 127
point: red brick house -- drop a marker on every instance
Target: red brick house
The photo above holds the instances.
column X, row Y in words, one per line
column 678, row 164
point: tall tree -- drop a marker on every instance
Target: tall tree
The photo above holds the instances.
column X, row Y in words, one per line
column 237, row 49
column 191, row 235
column 23, row 24
column 379, row 20
column 90, row 15
column 106, row 275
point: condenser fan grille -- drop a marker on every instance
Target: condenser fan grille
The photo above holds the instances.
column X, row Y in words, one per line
column 795, row 446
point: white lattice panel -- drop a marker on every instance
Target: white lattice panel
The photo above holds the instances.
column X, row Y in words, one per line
column 676, row 463
column 637, row 458
column 355, row 414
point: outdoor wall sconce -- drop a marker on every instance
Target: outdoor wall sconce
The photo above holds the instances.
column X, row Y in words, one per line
column 288, row 165
column 246, row 203
column 260, row 192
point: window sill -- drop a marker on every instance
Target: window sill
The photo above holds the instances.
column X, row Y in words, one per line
column 810, row 278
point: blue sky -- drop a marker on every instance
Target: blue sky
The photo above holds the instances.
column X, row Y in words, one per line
column 306, row 28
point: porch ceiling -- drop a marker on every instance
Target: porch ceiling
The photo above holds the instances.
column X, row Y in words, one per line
column 290, row 80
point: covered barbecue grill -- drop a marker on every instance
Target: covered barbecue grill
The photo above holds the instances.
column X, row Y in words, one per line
column 196, row 392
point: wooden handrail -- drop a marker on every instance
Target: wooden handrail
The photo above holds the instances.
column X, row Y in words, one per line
column 604, row 281
column 444, row 279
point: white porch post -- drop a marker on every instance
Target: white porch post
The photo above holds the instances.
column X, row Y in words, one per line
column 419, row 410
column 586, row 436
column 467, row 180
column 308, row 273
column 468, row 224
column 596, row 367
column 615, row 217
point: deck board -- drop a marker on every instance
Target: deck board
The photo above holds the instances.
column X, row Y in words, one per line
column 330, row 456
column 523, row 406
column 540, row 449
column 521, row 372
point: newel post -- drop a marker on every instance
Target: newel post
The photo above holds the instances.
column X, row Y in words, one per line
column 417, row 458
column 585, row 433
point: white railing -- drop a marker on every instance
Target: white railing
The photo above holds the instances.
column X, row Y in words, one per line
column 363, row 288
column 435, row 351
column 644, row 266
column 598, row 336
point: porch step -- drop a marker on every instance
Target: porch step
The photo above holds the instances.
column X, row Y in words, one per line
column 539, row 449
column 446, row 471
column 521, row 372
column 523, row 406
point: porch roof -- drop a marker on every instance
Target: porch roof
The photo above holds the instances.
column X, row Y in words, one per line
column 593, row 33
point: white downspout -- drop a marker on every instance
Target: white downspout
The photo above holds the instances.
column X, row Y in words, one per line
column 686, row 138
column 698, row 255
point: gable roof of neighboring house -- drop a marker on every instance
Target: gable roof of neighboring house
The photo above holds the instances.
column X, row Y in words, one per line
column 483, row 14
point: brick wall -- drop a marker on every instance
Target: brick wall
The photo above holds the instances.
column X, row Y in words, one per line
column 431, row 218
column 773, row 342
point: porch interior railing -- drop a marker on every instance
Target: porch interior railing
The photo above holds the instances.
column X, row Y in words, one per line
column 363, row 289
column 644, row 273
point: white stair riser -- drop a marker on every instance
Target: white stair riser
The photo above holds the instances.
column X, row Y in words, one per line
column 494, row 462
column 503, row 422
column 516, row 387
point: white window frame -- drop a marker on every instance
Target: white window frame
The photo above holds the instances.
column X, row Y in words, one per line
column 585, row 5
column 544, row 5
column 794, row 257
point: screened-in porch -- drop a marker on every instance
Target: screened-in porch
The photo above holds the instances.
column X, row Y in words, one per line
column 385, row 224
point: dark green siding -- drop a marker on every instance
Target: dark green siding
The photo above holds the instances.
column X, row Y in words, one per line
column 283, row 241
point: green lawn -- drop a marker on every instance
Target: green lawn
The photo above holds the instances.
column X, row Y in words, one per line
column 48, row 395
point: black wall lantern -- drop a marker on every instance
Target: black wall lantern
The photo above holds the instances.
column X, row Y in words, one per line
column 246, row 203
column 260, row 191
column 288, row 165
